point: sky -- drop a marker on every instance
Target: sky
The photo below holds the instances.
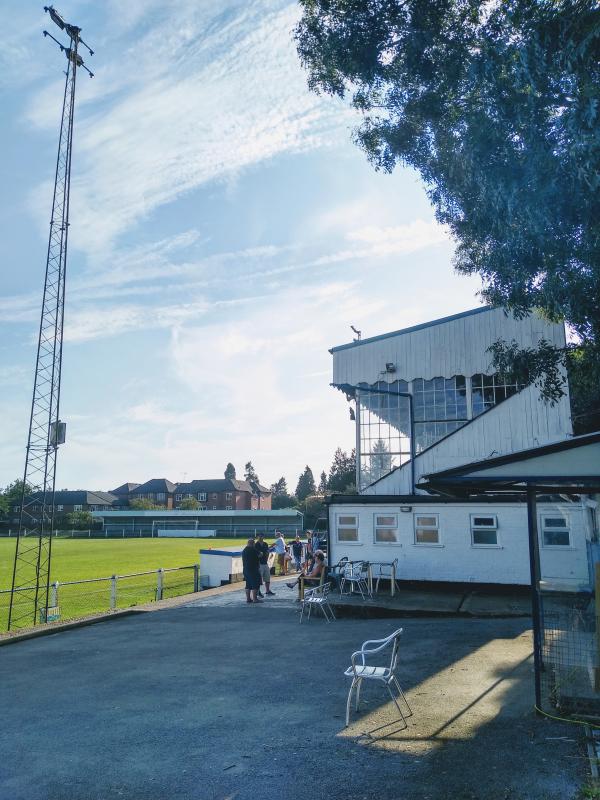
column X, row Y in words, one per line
column 225, row 233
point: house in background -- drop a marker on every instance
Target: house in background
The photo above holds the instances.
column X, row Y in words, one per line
column 159, row 491
column 225, row 494
column 67, row 501
column 425, row 400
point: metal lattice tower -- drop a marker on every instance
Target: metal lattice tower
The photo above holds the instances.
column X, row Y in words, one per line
column 31, row 572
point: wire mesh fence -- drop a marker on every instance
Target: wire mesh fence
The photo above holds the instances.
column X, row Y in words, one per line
column 570, row 674
column 75, row 599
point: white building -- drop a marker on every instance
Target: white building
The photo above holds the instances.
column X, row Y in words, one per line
column 425, row 400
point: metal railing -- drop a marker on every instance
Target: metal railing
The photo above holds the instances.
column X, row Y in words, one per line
column 70, row 600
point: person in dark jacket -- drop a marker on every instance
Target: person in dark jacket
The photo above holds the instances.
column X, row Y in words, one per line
column 250, row 564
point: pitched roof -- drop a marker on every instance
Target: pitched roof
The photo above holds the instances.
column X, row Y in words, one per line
column 155, row 485
column 412, row 329
column 124, row 488
column 80, row 497
column 220, row 485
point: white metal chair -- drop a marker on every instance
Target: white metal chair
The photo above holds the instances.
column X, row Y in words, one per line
column 360, row 671
column 317, row 598
column 388, row 572
column 354, row 575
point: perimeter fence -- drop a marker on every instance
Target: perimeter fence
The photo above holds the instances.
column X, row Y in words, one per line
column 75, row 599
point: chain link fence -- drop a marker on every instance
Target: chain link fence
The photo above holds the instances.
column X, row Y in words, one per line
column 570, row 669
column 74, row 599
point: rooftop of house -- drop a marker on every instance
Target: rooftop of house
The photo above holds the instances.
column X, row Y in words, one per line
column 155, row 485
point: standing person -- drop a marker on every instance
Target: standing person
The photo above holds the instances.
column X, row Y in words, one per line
column 262, row 548
column 315, row 541
column 297, row 551
column 279, row 547
column 250, row 564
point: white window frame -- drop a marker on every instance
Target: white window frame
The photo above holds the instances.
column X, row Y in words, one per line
column 201, row 495
column 228, row 508
column 229, row 496
column 214, row 508
column 161, row 495
column 393, row 527
column 555, row 529
column 492, row 527
column 178, row 497
column 78, row 507
column 420, row 514
column 351, row 542
column 60, row 508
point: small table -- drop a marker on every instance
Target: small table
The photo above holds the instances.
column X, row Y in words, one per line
column 392, row 567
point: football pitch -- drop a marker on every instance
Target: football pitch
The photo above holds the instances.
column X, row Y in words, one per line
column 85, row 559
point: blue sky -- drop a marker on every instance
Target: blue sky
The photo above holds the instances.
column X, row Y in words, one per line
column 225, row 232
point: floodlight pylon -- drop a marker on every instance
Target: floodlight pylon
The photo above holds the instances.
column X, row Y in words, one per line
column 31, row 570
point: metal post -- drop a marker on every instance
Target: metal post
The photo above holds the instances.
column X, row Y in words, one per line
column 113, row 592
column 54, row 594
column 534, row 568
column 159, row 584
column 196, row 577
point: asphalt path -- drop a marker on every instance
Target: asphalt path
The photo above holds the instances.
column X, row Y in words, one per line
column 239, row 702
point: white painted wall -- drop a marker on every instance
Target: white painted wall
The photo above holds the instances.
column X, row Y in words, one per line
column 456, row 559
column 522, row 421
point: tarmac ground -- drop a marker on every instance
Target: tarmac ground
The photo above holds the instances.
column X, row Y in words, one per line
column 220, row 700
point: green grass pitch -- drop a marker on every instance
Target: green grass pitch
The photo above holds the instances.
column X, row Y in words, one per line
column 80, row 559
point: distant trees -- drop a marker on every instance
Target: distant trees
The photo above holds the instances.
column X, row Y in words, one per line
column 280, row 496
column 306, row 484
column 79, row 520
column 190, row 504
column 250, row 472
column 143, row 504
column 12, row 495
column 230, row 471
column 322, row 487
column 342, row 473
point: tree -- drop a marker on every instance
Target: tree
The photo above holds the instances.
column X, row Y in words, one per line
column 230, row 471
column 279, row 487
column 280, row 497
column 380, row 461
column 250, row 473
column 79, row 520
column 306, row 484
column 13, row 494
column 143, row 504
column 323, row 484
column 497, row 106
column 190, row 504
column 342, row 473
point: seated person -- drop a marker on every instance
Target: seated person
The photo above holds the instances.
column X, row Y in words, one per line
column 315, row 572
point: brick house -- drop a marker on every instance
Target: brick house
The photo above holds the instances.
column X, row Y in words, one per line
column 159, row 491
column 68, row 501
column 225, row 494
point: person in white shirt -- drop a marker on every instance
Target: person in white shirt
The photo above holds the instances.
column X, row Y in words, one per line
column 279, row 548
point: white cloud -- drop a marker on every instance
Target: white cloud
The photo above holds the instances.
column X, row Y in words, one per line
column 400, row 238
column 184, row 118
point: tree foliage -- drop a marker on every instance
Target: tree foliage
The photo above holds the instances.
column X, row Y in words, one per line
column 190, row 504
column 230, row 471
column 306, row 485
column 323, row 483
column 79, row 520
column 143, row 504
column 342, row 473
column 280, row 496
column 250, row 472
column 497, row 106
